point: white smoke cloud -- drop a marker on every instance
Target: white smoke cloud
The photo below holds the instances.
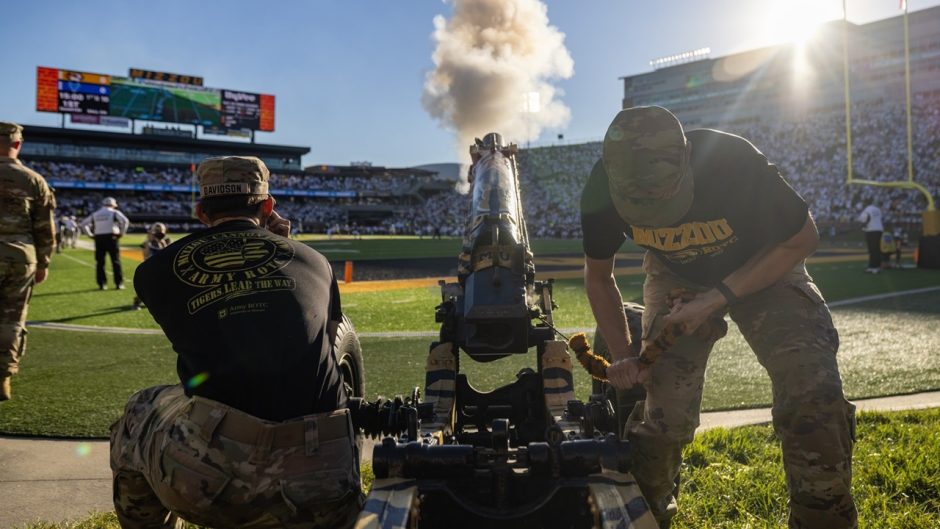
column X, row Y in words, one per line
column 494, row 59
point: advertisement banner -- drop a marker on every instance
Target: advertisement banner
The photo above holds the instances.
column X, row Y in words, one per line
column 110, row 121
column 176, row 188
column 84, row 119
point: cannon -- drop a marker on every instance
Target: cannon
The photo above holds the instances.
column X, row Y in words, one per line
column 527, row 454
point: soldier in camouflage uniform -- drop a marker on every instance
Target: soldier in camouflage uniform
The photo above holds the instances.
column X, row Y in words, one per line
column 257, row 435
column 716, row 218
column 27, row 240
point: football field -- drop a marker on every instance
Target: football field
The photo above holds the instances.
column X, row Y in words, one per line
column 75, row 382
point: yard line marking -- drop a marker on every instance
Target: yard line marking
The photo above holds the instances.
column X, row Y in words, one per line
column 126, row 253
column 85, row 263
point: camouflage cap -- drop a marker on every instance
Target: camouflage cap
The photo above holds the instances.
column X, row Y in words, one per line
column 647, row 164
column 232, row 175
column 11, row 130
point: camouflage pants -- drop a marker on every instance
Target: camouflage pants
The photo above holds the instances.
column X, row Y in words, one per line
column 210, row 464
column 789, row 328
column 16, row 287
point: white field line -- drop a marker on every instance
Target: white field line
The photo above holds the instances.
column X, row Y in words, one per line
column 886, row 295
column 83, row 263
column 90, row 328
column 76, row 259
column 431, row 334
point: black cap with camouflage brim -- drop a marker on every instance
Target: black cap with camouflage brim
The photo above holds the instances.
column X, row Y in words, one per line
column 646, row 158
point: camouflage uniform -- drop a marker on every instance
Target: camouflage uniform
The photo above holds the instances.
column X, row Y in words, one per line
column 213, row 465
column 790, row 330
column 649, row 164
column 27, row 240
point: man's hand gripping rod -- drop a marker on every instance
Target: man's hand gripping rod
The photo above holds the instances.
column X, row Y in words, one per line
column 713, row 329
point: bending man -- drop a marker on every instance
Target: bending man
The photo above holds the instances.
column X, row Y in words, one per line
column 717, row 218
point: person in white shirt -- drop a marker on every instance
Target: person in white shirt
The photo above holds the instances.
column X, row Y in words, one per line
column 70, row 233
column 107, row 226
column 870, row 217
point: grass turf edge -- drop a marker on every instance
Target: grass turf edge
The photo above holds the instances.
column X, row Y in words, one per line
column 733, row 478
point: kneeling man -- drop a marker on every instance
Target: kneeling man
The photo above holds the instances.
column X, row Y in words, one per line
column 257, row 433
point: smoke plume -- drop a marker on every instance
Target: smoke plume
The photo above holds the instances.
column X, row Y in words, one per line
column 494, row 61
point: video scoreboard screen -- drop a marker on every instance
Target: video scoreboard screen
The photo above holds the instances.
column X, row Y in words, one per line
column 157, row 101
column 148, row 98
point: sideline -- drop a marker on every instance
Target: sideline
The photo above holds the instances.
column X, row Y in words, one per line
column 431, row 334
column 842, row 255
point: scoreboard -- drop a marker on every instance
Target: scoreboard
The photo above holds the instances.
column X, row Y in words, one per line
column 245, row 110
column 72, row 92
column 146, row 95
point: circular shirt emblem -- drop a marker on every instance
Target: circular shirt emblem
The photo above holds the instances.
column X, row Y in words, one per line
column 231, row 256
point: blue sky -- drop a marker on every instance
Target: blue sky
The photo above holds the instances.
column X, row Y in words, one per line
column 348, row 74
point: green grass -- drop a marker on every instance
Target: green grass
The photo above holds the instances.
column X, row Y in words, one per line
column 76, row 384
column 733, row 479
column 70, row 296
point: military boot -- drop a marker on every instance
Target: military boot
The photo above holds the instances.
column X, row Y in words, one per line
column 6, row 391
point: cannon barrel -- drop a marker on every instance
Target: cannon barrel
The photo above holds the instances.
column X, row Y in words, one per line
column 495, row 305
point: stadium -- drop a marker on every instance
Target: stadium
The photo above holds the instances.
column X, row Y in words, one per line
column 750, row 93
column 393, row 234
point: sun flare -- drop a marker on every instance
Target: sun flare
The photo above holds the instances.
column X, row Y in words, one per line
column 797, row 21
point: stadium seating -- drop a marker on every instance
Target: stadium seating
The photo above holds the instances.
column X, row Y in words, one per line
column 810, row 154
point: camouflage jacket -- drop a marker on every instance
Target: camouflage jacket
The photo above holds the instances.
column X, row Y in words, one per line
column 27, row 228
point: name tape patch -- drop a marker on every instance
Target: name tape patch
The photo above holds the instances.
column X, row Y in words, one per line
column 239, row 188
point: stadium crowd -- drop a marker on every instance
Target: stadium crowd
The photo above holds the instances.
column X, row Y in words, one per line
column 175, row 175
column 810, row 154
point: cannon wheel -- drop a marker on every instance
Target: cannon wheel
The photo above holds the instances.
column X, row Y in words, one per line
column 623, row 400
column 348, row 354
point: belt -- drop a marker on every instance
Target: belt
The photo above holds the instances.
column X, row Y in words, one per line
column 310, row 430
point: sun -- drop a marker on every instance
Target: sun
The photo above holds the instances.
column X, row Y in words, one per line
column 796, row 21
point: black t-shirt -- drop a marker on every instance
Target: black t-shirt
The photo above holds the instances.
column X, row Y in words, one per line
column 740, row 205
column 247, row 312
